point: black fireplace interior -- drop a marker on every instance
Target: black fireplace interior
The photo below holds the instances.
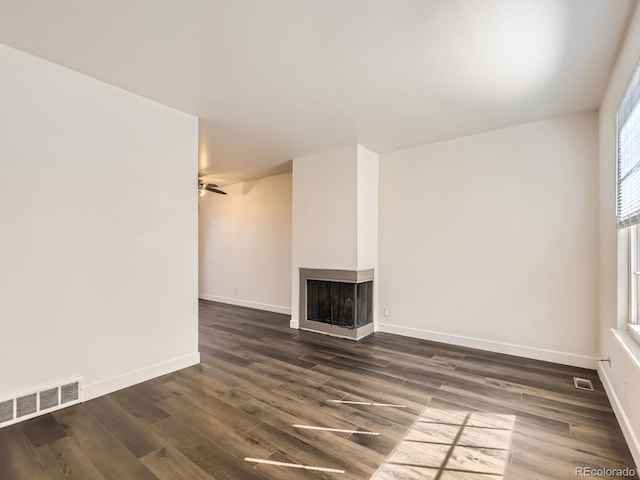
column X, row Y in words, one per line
column 343, row 304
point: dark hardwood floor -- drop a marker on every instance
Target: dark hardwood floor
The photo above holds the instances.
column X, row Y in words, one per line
column 425, row 411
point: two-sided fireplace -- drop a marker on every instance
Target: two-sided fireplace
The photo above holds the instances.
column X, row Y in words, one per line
column 337, row 302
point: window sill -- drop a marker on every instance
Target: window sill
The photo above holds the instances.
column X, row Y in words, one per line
column 634, row 332
column 627, row 340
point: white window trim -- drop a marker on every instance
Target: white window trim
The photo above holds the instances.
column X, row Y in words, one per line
column 633, row 279
column 634, row 332
column 633, row 274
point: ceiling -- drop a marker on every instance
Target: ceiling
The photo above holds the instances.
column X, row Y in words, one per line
column 274, row 79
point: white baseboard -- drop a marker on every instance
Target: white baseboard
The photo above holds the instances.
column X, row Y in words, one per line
column 246, row 303
column 621, row 416
column 493, row 346
column 294, row 324
column 134, row 377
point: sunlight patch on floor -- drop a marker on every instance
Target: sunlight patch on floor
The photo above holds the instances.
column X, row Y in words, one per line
column 451, row 445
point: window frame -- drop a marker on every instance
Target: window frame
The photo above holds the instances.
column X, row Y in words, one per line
column 632, row 265
column 632, row 260
column 633, row 277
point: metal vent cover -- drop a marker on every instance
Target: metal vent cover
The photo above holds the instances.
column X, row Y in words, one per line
column 6, row 411
column 26, row 405
column 583, row 384
column 49, row 398
column 39, row 401
column 69, row 392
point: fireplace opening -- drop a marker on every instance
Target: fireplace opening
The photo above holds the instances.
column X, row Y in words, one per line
column 337, row 302
column 345, row 304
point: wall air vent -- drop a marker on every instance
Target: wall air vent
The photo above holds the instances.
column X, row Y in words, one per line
column 26, row 405
column 583, row 384
column 69, row 392
column 6, row 411
column 40, row 400
column 48, row 398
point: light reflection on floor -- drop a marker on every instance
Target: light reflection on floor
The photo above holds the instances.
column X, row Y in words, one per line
column 451, row 445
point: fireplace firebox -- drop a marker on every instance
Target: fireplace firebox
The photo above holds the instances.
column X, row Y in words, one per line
column 337, row 302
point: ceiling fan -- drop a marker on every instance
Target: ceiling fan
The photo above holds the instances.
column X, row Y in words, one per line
column 204, row 187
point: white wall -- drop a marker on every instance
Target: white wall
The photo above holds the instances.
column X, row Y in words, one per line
column 98, row 257
column 245, row 244
column 490, row 240
column 324, row 210
column 367, row 208
column 614, row 343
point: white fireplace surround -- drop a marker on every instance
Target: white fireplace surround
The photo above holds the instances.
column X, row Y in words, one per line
column 334, row 225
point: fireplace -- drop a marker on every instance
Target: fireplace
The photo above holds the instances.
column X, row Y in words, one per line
column 337, row 302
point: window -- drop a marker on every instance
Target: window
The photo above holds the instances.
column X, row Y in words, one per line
column 628, row 189
column 628, row 121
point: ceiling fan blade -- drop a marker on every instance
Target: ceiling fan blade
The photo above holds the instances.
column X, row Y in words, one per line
column 202, row 182
column 212, row 188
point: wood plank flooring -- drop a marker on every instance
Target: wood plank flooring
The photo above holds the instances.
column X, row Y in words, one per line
column 261, row 384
